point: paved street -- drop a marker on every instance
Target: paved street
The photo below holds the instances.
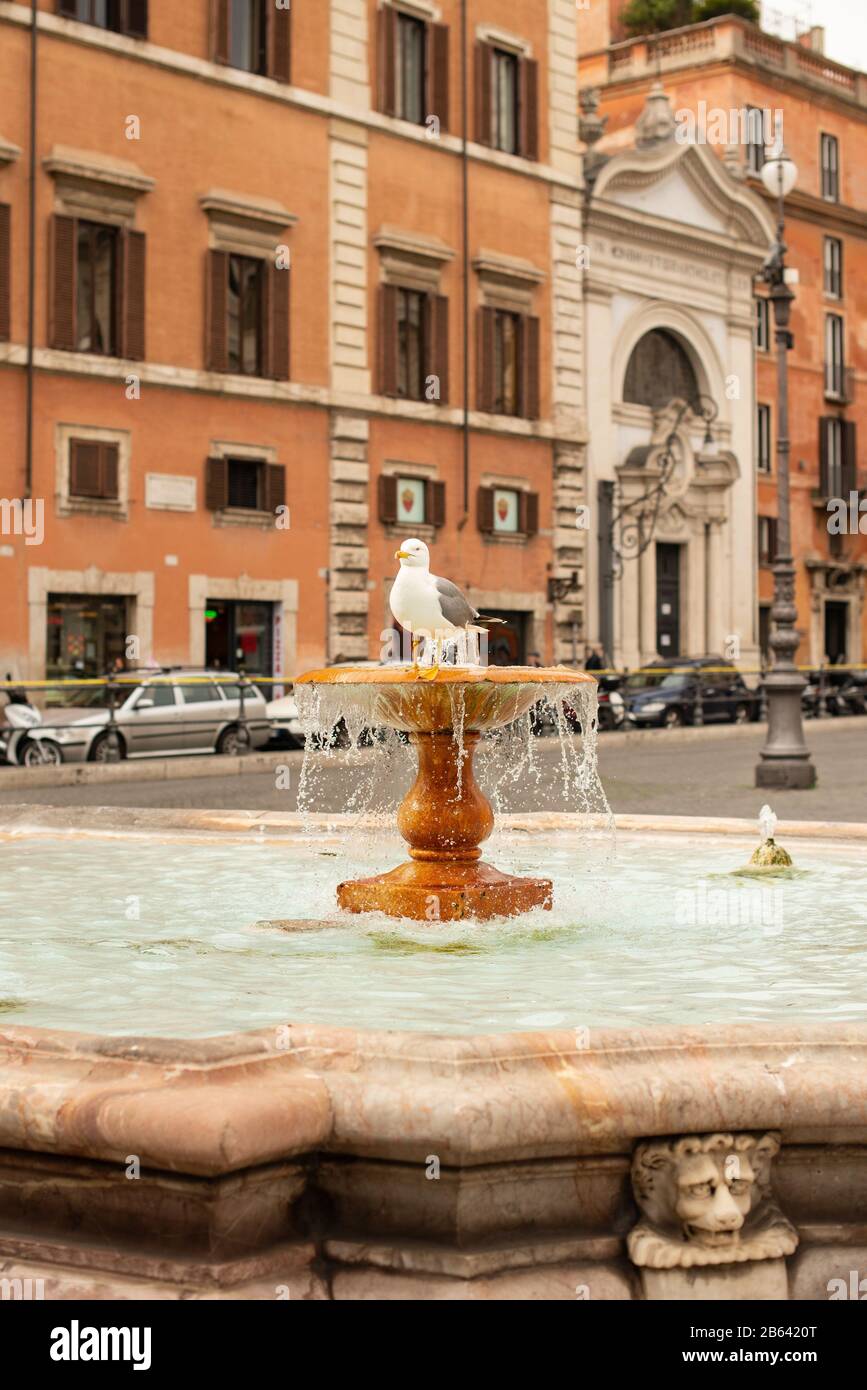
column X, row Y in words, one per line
column 667, row 774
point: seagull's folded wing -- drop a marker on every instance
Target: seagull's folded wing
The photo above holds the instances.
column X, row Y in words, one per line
column 455, row 607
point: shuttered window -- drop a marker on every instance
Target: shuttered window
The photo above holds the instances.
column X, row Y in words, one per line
column 508, row 369
column 244, row 484
column 833, row 355
column 767, row 540
column 763, row 438
column 413, row 62
column 93, row 469
column 507, row 511
column 411, row 501
column 97, row 298
column 413, row 355
column 5, row 271
column 121, row 16
column 507, row 101
column 830, row 161
column 252, row 35
column 247, row 322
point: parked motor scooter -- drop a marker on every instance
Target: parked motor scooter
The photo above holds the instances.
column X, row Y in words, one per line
column 20, row 745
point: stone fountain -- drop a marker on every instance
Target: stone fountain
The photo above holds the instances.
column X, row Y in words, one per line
column 445, row 816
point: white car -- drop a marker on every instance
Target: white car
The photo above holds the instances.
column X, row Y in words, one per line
column 286, row 728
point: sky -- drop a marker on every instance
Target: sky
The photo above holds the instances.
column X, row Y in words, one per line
column 844, row 21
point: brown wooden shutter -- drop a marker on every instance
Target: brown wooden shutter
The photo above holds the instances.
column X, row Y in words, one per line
column 484, row 58
column 216, row 484
column 61, row 328
column 387, row 46
column 530, row 367
column 528, row 513
column 387, row 499
column 850, row 471
column 529, row 108
column 5, row 272
column 438, row 73
column 134, row 20
column 132, row 294
column 435, row 502
column 485, row 509
column 275, row 322
column 67, row 8
column 108, row 471
column 275, row 486
column 388, row 340
column 279, row 42
column 437, row 345
column 823, row 455
column 485, row 383
column 220, row 30
column 216, row 316
column 84, row 468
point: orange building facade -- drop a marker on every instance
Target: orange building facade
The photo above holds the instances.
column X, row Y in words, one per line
column 303, row 282
column 713, row 74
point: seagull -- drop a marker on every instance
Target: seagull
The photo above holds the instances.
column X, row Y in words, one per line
column 425, row 604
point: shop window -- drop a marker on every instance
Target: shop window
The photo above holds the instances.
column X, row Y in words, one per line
column 239, row 636
column 85, row 635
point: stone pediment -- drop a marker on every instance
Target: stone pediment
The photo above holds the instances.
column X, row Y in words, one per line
column 685, row 185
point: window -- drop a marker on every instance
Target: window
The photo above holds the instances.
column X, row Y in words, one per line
column 413, row 344
column 244, row 484
column 830, row 159
column 507, row 511
column 833, row 355
column 411, row 41
column 507, row 334
column 413, row 67
column 96, row 288
column 763, row 324
column 85, row 636
column 5, row 271
column 833, row 267
column 407, row 501
column 507, row 101
column 505, row 112
column 659, row 370
column 767, row 540
column 200, row 693
column 93, row 470
column 252, row 36
column 763, row 438
column 508, row 375
column 161, row 694
column 97, row 297
column 755, row 138
column 838, row 459
column 244, row 315
column 121, row 16
column 411, row 307
column 248, row 316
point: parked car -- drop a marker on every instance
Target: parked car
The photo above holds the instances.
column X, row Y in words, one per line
column 169, row 713
column 665, row 693
column 286, row 730
column 854, row 693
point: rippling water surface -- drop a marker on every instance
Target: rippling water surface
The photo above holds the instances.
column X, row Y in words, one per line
column 158, row 937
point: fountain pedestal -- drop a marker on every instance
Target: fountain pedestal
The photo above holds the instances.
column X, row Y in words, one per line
column 444, row 818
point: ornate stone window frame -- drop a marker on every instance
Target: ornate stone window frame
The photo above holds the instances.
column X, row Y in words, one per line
column 503, row 38
column 245, row 226
column 410, row 259
column 243, row 516
column 8, row 152
column 201, row 587
column 507, row 282
column 419, row 9
column 138, row 587
column 68, row 506
column 507, row 484
column 95, row 186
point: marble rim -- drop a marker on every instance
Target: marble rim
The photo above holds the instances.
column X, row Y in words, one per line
column 447, row 675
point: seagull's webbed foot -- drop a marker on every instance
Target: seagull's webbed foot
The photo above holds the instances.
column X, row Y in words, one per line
column 429, row 673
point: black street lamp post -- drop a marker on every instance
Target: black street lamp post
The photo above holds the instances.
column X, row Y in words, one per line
column 784, row 761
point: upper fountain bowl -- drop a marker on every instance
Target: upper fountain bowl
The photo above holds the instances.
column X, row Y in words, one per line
column 468, row 697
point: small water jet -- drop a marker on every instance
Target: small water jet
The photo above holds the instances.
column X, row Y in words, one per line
column 769, row 855
column 445, row 816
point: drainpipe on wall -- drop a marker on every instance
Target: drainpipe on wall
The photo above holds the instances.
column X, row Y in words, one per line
column 465, row 216
column 31, row 266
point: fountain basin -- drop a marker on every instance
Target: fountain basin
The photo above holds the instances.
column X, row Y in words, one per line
column 403, row 1159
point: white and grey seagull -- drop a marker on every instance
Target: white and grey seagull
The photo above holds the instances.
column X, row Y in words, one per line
column 426, row 605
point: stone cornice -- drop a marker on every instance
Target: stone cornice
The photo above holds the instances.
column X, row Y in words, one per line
column 8, row 152
column 508, row 268
column 95, row 168
column 655, row 231
column 412, row 245
column 265, row 214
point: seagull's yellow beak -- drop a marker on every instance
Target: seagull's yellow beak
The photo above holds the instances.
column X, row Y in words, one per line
column 401, row 555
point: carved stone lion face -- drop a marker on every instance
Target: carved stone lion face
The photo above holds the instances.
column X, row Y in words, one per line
column 705, row 1185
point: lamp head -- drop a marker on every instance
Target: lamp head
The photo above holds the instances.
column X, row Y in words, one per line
column 779, row 173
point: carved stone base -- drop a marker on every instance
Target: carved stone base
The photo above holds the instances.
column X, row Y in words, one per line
column 761, row 1280
column 787, row 773
column 446, row 891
